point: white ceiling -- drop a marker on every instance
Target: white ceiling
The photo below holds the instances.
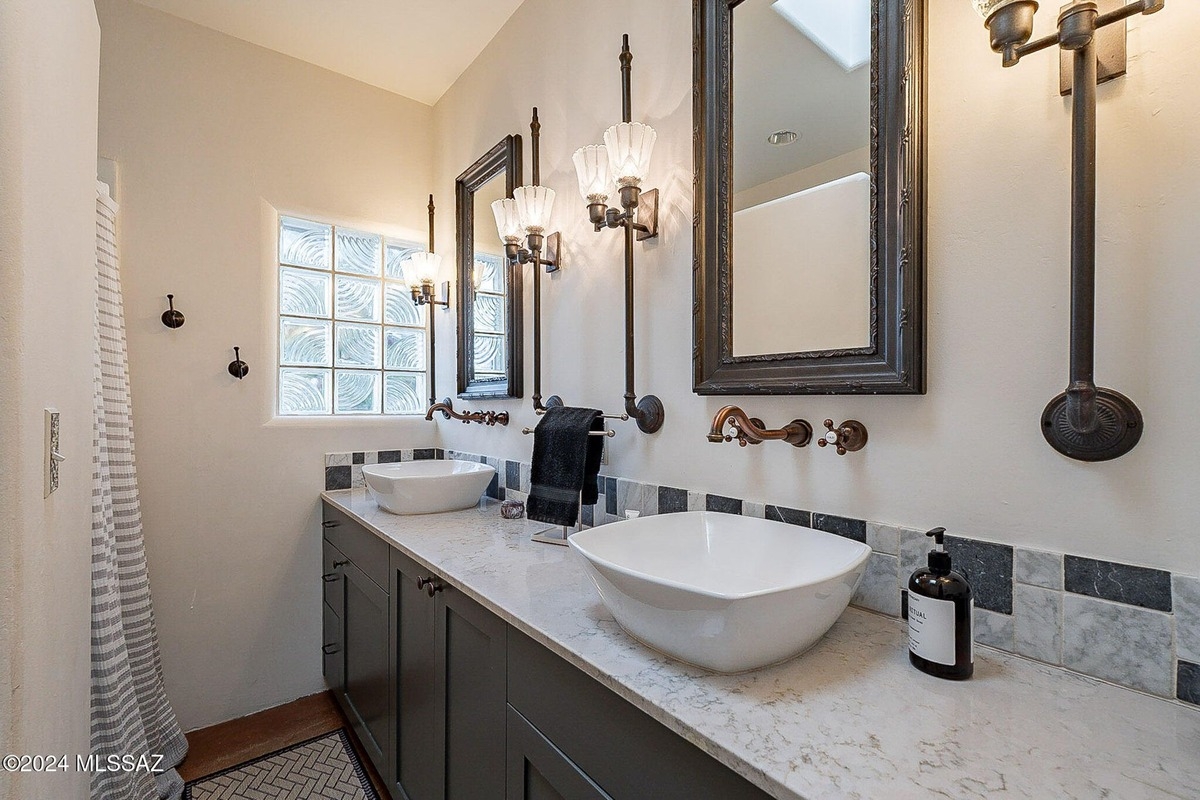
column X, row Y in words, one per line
column 415, row 48
column 783, row 81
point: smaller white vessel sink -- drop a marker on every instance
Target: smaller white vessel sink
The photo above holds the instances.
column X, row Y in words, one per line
column 427, row 487
column 721, row 591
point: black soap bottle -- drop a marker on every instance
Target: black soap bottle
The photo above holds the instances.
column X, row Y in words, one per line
column 940, row 609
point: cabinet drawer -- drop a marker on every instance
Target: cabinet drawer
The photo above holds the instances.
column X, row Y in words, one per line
column 368, row 552
column 332, row 562
column 606, row 736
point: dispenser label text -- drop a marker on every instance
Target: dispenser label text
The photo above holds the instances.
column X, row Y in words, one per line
column 931, row 628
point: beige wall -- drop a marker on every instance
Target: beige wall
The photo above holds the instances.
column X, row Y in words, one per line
column 212, row 135
column 969, row 455
column 48, row 82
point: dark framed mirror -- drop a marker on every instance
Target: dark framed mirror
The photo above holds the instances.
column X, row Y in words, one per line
column 490, row 344
column 810, row 180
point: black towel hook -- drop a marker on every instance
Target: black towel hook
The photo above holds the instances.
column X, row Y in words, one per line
column 238, row 368
column 171, row 318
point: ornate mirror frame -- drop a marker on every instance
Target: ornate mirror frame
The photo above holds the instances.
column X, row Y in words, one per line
column 504, row 157
column 894, row 362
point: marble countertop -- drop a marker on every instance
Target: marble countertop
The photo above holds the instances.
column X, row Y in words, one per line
column 848, row 719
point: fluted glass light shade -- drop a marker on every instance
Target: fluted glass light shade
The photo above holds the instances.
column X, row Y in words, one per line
column 508, row 221
column 988, row 7
column 422, row 268
column 630, row 145
column 591, row 165
column 534, row 205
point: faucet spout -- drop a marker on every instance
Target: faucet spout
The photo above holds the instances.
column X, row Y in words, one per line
column 751, row 430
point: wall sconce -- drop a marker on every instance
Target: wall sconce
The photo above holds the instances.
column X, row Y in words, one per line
column 420, row 272
column 526, row 215
column 624, row 160
column 1086, row 422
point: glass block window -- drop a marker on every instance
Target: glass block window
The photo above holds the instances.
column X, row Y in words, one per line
column 490, row 342
column 351, row 341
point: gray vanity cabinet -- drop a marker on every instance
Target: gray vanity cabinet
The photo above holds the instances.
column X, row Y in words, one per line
column 537, row 770
column 449, row 689
column 357, row 612
column 452, row 703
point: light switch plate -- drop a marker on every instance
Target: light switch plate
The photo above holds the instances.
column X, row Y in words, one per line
column 52, row 447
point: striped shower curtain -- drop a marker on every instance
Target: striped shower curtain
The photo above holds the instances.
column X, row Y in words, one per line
column 129, row 709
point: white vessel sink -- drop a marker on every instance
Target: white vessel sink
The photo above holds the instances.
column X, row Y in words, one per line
column 721, row 591
column 427, row 487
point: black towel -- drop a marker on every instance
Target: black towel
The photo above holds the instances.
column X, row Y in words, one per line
column 566, row 461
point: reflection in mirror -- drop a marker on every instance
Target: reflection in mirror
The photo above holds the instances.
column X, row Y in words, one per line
column 801, row 176
column 489, row 324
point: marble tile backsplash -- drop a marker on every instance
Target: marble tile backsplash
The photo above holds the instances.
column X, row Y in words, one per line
column 1131, row 625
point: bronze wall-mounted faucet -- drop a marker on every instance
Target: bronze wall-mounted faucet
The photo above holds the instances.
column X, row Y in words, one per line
column 751, row 430
column 446, row 408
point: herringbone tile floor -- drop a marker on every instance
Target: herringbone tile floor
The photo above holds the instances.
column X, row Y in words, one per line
column 321, row 769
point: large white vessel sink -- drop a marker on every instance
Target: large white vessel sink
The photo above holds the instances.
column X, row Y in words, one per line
column 721, row 591
column 427, row 487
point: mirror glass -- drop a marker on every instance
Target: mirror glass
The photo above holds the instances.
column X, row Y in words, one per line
column 489, row 284
column 801, row 174
column 489, row 289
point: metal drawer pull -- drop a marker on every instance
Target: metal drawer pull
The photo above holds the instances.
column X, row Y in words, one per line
column 340, row 564
column 329, row 649
column 430, row 586
column 330, row 577
column 332, row 523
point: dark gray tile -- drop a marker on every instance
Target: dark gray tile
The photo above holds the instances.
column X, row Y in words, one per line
column 425, row 454
column 357, row 458
column 791, row 516
column 1188, row 684
column 512, row 475
column 725, row 505
column 589, row 515
column 390, row 456
column 855, row 529
column 1120, row 583
column 610, row 496
column 440, row 454
column 988, row 568
column 494, row 491
column 672, row 500
column 337, row 478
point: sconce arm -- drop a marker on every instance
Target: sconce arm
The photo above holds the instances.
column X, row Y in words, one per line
column 1102, row 21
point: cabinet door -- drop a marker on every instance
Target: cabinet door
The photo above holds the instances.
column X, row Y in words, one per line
column 365, row 645
column 472, row 670
column 417, row 752
column 537, row 770
column 331, row 649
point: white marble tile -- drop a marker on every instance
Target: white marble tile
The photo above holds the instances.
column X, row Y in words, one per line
column 634, row 496
column 1124, row 644
column 696, row 501
column 883, row 538
column 526, row 471
column 751, row 508
column 994, row 630
column 878, row 590
column 356, row 477
column 1186, row 602
column 371, row 457
column 337, row 459
column 1038, row 568
column 406, row 455
column 1037, row 614
column 802, row 729
column 914, row 551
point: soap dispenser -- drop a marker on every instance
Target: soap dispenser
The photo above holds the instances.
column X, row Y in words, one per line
column 940, row 609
